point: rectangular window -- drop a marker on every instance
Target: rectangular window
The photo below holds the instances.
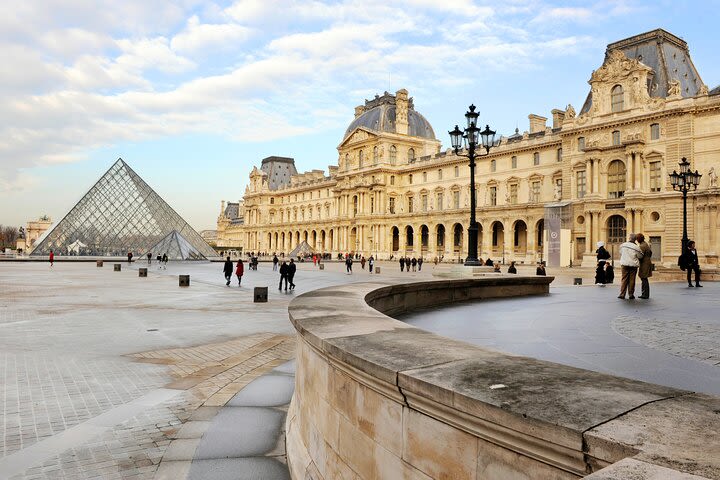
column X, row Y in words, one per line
column 559, row 154
column 410, row 179
column 424, row 177
column 536, row 158
column 423, row 201
column 493, row 196
column 616, row 137
column 410, row 204
column 372, row 205
column 581, row 183
column 456, row 199
column 513, row 193
column 272, row 201
column 440, row 174
column 558, row 188
column 655, row 131
column 655, row 177
column 493, row 165
column 535, row 192
column 581, row 144
column 513, row 161
column 392, row 205
column 439, row 201
column 457, row 172
column 392, row 179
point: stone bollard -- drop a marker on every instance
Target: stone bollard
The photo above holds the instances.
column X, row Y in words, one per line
column 577, row 281
column 99, row 263
column 260, row 294
column 184, row 280
column 142, row 272
column 322, row 266
column 117, row 267
column 377, row 270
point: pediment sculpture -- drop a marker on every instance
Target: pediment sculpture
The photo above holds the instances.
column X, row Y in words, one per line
column 617, row 67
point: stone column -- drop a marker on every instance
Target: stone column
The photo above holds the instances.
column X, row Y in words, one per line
column 713, row 246
column 531, row 239
column 639, row 223
column 597, row 237
column 595, row 175
column 588, row 232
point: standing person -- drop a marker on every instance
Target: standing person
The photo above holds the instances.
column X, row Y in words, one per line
column 402, row 263
column 407, row 264
column 149, row 257
column 540, row 270
column 489, row 262
column 362, row 262
column 292, row 268
column 689, row 260
column 645, row 270
column 314, row 259
column 602, row 256
column 51, row 258
column 420, row 262
column 228, row 270
column 165, row 260
column 348, row 265
column 511, row 268
column 413, row 262
column 283, row 275
column 275, row 263
column 129, row 257
column 371, row 263
column 239, row 270
column 630, row 255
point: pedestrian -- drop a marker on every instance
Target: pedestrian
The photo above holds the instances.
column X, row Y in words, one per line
column 165, row 260
column 511, row 268
column 407, row 264
column 362, row 262
column 283, row 275
column 275, row 263
column 314, row 259
column 420, row 262
column 402, row 263
column 227, row 271
column 52, row 258
column 348, row 265
column 496, row 268
column 540, row 270
column 239, row 270
column 689, row 261
column 371, row 263
column 129, row 257
column 436, row 260
column 602, row 256
column 292, row 268
column 413, row 262
column 489, row 262
column 609, row 273
column 630, row 255
column 645, row 270
column 149, row 257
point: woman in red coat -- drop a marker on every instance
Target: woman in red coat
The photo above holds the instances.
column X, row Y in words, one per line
column 52, row 258
column 239, row 270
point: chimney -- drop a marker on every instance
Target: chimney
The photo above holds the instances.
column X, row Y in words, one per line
column 558, row 117
column 401, row 111
column 537, row 123
column 359, row 110
column 222, row 207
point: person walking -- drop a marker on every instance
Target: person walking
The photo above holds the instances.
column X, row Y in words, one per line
column 645, row 270
column 129, row 258
column 51, row 258
column 511, row 268
column 362, row 262
column 689, row 260
column 283, row 275
column 149, row 257
column 292, row 268
column 413, row 262
column 371, row 263
column 228, row 270
column 275, row 263
column 239, row 270
column 420, row 262
column 402, row 263
column 165, row 260
column 348, row 265
column 602, row 256
column 630, row 255
column 407, row 264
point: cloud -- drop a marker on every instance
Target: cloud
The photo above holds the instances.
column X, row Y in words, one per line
column 199, row 37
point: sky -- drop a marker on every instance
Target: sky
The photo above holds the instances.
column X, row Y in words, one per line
column 192, row 94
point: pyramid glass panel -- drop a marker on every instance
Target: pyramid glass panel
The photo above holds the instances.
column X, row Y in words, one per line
column 122, row 214
column 176, row 247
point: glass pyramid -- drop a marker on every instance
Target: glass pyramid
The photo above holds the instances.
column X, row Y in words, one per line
column 120, row 214
column 176, row 247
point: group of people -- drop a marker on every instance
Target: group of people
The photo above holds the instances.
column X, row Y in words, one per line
column 406, row 263
column 228, row 270
column 349, row 263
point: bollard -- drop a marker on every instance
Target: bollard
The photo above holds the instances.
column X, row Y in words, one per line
column 117, row 267
column 184, row 280
column 322, row 266
column 142, row 272
column 377, row 270
column 577, row 281
column 99, row 263
column 260, row 294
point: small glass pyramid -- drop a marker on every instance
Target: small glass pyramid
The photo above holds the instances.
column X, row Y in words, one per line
column 176, row 247
column 121, row 214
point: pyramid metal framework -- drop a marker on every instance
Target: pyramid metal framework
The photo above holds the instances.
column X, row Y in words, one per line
column 119, row 214
column 176, row 247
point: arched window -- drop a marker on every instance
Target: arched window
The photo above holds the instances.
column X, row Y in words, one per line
column 375, row 155
column 360, row 159
column 616, row 98
column 411, row 155
column 616, row 179
column 440, row 236
column 393, row 154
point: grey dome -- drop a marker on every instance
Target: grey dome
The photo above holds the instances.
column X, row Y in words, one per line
column 380, row 117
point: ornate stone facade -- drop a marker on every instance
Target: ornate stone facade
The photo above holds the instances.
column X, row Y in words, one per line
column 394, row 191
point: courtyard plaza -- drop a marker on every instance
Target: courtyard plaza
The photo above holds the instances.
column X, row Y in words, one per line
column 107, row 375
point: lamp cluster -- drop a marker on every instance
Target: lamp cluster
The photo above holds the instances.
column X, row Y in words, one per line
column 472, row 135
column 686, row 179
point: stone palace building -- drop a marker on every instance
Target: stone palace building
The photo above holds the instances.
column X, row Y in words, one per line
column 597, row 173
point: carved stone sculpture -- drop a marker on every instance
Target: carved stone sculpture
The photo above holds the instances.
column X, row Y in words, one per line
column 674, row 88
column 569, row 111
column 712, row 177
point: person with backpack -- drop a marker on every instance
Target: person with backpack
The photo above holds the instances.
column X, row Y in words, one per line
column 348, row 265
column 228, row 270
column 689, row 261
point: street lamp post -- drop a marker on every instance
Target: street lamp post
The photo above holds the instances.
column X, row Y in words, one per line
column 683, row 182
column 473, row 138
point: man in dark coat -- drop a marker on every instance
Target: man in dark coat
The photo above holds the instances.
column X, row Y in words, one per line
column 348, row 264
column 292, row 268
column 420, row 262
column 691, row 263
column 283, row 275
column 413, row 262
column 228, row 270
column 275, row 263
column 402, row 263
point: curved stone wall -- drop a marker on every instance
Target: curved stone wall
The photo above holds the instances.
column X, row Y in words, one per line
column 377, row 398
